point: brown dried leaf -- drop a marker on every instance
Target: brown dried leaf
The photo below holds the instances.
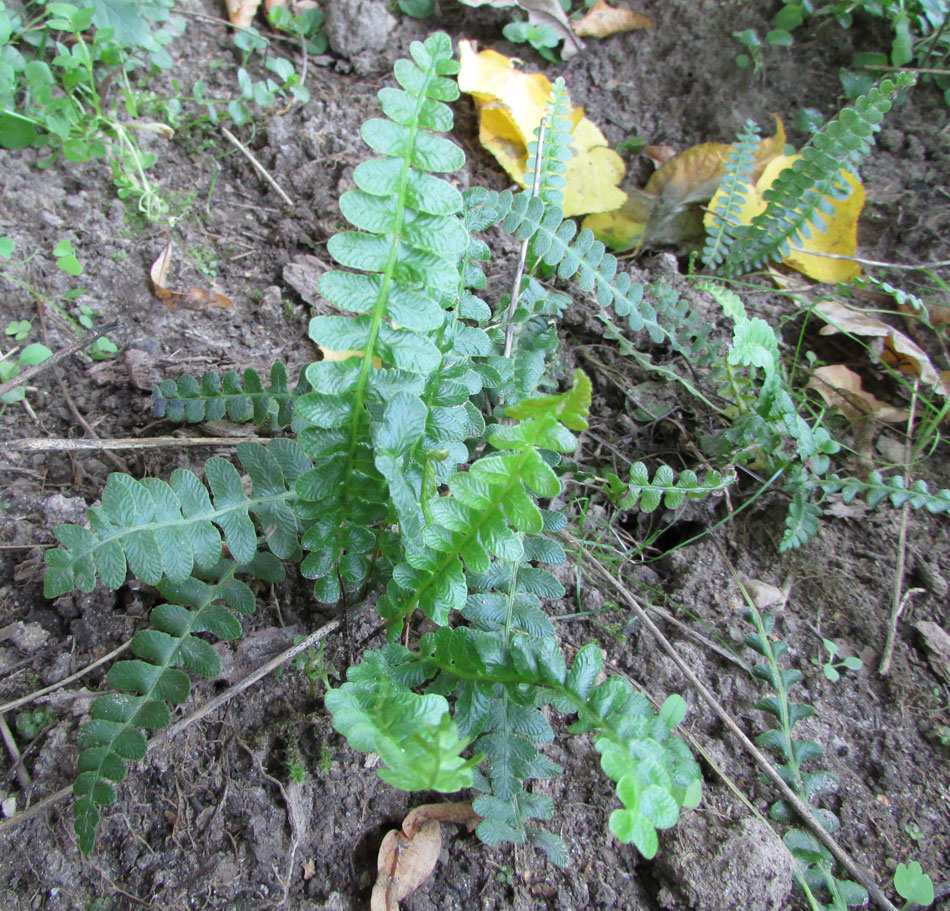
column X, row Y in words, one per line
column 659, row 155
column 459, row 812
column 764, row 595
column 193, row 299
column 898, row 351
column 241, row 12
column 404, row 864
column 841, row 387
column 603, row 20
column 407, row 858
column 937, row 642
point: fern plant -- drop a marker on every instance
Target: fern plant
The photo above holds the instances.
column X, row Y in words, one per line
column 801, row 194
column 420, row 468
column 816, row 874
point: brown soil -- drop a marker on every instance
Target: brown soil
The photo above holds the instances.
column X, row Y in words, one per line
column 202, row 823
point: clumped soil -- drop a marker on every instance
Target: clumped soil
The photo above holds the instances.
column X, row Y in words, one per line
column 209, row 820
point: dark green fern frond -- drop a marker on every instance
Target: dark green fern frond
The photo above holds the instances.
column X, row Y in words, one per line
column 877, row 489
column 798, row 198
column 734, row 187
column 405, row 250
column 214, row 397
column 148, row 684
column 158, row 529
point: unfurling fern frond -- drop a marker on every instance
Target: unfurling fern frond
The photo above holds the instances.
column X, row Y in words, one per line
column 167, row 530
column 734, row 187
column 148, row 684
column 238, row 399
column 800, row 194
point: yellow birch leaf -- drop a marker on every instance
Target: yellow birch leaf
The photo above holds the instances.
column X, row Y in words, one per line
column 840, row 236
column 510, row 106
column 602, row 20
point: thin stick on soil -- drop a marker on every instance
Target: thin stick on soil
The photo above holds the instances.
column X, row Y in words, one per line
column 21, row 773
column 797, row 804
column 37, row 444
column 898, row 602
column 32, row 697
column 246, row 152
column 165, row 736
column 80, row 343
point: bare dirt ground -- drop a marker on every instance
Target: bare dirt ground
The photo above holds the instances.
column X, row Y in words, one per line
column 208, row 821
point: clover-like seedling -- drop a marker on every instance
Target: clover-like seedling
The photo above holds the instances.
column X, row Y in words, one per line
column 913, row 885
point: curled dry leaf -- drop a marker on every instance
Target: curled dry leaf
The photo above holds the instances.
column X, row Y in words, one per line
column 407, row 858
column 602, row 20
column 241, row 12
column 937, row 642
column 764, row 595
column 193, row 299
column 897, row 350
column 510, row 106
column 841, row 388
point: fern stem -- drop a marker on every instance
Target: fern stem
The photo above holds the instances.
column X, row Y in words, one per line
column 523, row 255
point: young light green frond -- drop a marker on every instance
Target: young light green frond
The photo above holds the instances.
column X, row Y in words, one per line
column 147, row 684
column 162, row 530
column 735, row 186
column 797, row 197
column 215, row 397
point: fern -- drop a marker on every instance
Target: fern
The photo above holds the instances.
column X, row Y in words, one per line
column 816, row 866
column 406, row 248
column 149, row 683
column 556, row 149
column 800, row 194
column 735, row 187
column 214, row 397
column 167, row 530
column 669, row 490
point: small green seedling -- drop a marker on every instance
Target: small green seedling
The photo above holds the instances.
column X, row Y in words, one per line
column 30, row 724
column 913, row 885
column 315, row 667
column 19, row 329
column 539, row 35
column 30, row 355
column 66, row 258
column 831, row 668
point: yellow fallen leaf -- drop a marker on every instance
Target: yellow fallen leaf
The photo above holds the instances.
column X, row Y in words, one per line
column 602, row 20
column 839, row 237
column 510, row 107
column 667, row 210
column 330, row 355
column 842, row 388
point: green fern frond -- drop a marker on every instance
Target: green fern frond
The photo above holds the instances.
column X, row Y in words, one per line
column 877, row 489
column 405, row 250
column 734, row 187
column 148, row 684
column 556, row 150
column 238, row 399
column 669, row 490
column 490, row 507
column 800, row 194
column 165, row 530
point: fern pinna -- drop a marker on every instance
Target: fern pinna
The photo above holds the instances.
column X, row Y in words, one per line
column 375, row 491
